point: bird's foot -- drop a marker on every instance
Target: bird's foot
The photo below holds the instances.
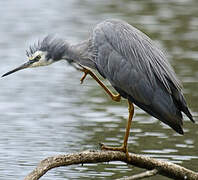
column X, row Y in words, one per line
column 121, row 149
column 109, row 148
column 86, row 71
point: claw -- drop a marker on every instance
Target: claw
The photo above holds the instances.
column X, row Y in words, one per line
column 86, row 71
column 122, row 148
column 82, row 78
column 108, row 148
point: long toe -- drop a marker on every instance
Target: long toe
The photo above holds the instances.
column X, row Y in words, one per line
column 109, row 148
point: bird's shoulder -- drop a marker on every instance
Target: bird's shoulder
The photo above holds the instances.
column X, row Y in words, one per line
column 136, row 48
column 115, row 30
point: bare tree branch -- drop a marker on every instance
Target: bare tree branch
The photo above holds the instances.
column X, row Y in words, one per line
column 141, row 175
column 164, row 168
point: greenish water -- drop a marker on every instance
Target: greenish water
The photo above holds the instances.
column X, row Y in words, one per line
column 45, row 111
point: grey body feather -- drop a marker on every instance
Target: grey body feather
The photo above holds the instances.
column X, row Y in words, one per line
column 139, row 71
column 132, row 63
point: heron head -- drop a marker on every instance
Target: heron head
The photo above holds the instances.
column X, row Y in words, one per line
column 43, row 53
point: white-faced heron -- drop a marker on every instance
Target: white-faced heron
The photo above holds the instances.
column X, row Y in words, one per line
column 133, row 64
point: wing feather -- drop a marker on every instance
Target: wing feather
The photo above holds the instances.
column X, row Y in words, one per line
column 139, row 50
column 139, row 71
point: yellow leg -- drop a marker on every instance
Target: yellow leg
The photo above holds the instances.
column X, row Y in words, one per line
column 124, row 147
column 117, row 98
column 114, row 97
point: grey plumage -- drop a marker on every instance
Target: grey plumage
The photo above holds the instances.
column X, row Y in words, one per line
column 55, row 47
column 139, row 71
column 131, row 62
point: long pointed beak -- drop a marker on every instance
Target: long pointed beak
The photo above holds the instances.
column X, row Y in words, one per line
column 23, row 66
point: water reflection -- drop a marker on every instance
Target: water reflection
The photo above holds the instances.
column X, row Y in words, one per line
column 46, row 111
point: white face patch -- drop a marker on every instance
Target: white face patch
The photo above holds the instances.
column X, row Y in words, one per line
column 42, row 61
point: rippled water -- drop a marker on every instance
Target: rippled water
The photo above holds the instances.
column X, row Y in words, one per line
column 45, row 111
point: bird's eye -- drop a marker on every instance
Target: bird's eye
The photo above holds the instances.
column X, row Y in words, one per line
column 37, row 58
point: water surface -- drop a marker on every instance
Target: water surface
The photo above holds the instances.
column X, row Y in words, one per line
column 45, row 111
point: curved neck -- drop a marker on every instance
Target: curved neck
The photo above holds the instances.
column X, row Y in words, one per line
column 80, row 53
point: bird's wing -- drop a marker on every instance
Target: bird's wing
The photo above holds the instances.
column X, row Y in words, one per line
column 138, row 50
column 137, row 69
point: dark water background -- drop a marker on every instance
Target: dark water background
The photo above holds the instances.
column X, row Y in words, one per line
column 45, row 111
